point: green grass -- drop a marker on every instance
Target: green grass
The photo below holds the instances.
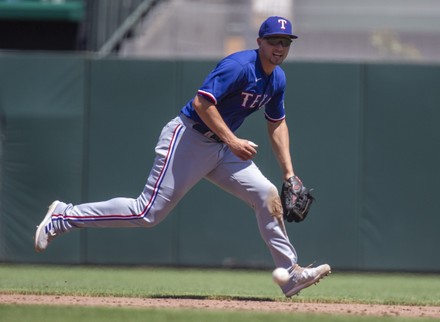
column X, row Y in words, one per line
column 136, row 282
column 405, row 289
column 24, row 313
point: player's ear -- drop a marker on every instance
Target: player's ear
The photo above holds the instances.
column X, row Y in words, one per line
column 259, row 40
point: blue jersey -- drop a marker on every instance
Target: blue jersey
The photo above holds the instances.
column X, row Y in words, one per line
column 238, row 87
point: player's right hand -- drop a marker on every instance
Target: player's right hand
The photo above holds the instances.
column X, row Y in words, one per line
column 244, row 149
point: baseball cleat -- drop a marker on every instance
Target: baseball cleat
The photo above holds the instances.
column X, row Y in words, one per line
column 305, row 277
column 45, row 230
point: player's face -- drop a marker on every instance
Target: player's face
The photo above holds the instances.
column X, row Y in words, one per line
column 274, row 49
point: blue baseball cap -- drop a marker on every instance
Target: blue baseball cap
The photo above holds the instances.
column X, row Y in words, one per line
column 276, row 26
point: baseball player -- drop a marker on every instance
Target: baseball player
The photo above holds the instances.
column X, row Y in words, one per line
column 201, row 143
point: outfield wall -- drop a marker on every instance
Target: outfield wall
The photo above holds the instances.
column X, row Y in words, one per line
column 365, row 136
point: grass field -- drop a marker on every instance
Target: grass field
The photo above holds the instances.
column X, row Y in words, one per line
column 403, row 289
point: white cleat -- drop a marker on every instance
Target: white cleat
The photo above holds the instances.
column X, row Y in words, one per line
column 305, row 277
column 45, row 230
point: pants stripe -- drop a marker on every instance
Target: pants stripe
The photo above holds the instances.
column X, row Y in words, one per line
column 150, row 202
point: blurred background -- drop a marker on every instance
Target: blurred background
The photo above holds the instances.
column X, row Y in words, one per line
column 86, row 86
column 355, row 30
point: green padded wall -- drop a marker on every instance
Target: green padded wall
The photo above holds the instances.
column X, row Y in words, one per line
column 41, row 98
column 400, row 217
column 323, row 110
column 364, row 136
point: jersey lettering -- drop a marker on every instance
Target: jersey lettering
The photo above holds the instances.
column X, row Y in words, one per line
column 245, row 98
column 257, row 98
column 265, row 100
column 254, row 100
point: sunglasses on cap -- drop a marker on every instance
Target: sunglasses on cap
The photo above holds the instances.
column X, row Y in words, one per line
column 274, row 41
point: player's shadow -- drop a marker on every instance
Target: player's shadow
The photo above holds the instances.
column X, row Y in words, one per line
column 214, row 297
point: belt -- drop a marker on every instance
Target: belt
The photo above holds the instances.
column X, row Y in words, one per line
column 209, row 134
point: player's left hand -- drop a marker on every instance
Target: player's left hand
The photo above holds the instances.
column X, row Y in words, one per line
column 295, row 199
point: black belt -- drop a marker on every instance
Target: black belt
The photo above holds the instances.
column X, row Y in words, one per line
column 209, row 134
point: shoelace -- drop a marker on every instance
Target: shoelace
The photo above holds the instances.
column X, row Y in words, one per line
column 298, row 271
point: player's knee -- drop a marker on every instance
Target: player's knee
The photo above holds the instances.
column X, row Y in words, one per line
column 152, row 220
column 273, row 202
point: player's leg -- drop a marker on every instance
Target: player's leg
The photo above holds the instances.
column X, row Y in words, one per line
column 245, row 180
column 157, row 198
column 176, row 169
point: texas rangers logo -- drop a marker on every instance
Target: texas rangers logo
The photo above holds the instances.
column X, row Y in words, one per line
column 283, row 23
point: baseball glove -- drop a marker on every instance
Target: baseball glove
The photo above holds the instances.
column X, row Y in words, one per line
column 295, row 199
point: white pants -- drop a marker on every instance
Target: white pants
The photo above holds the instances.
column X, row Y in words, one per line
column 183, row 157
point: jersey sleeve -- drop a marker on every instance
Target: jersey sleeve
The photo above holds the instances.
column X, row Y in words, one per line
column 274, row 110
column 222, row 80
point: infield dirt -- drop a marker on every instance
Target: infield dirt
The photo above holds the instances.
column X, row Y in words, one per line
column 263, row 306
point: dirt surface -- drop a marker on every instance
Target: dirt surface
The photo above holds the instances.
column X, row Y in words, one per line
column 263, row 306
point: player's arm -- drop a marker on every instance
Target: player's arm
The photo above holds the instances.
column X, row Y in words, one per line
column 211, row 117
column 279, row 138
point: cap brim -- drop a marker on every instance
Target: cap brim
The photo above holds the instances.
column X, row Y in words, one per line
column 278, row 34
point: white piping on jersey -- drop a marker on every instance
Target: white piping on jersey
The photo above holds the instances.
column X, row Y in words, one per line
column 274, row 120
column 212, row 97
